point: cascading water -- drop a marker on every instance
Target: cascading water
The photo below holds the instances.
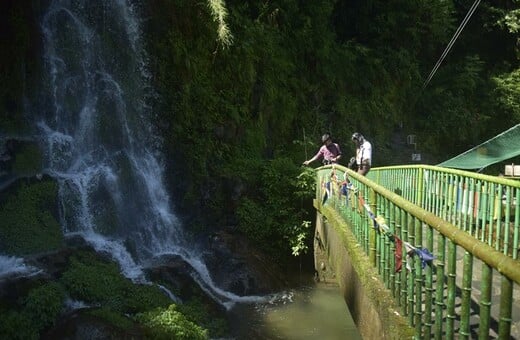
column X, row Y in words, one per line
column 12, row 267
column 99, row 141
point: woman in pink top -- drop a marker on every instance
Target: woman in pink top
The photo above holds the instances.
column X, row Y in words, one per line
column 329, row 151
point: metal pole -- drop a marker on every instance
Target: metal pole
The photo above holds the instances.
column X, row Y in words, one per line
column 466, row 296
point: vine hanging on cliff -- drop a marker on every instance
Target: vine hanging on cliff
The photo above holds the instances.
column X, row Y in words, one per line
column 219, row 13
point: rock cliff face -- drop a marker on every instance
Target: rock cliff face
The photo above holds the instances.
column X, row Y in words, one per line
column 20, row 46
column 241, row 268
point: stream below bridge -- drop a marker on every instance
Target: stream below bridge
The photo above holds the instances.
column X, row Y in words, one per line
column 312, row 311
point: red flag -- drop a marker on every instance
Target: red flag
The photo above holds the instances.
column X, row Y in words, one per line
column 361, row 202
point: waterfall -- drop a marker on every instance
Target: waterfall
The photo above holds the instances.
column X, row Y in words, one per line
column 11, row 267
column 99, row 142
column 97, row 133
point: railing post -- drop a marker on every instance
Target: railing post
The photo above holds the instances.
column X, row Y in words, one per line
column 465, row 312
column 420, row 187
column 485, row 302
column 452, row 290
column 506, row 301
column 439, row 294
column 372, row 233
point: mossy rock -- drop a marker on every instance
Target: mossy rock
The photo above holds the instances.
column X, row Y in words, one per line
column 28, row 216
column 36, row 310
column 94, row 323
column 96, row 280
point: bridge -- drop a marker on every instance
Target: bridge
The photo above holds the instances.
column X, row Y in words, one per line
column 421, row 251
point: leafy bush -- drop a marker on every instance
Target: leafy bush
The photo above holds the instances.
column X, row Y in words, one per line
column 38, row 310
column 170, row 324
column 196, row 310
column 274, row 219
column 44, row 304
column 17, row 325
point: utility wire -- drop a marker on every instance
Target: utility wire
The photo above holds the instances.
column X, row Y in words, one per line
column 452, row 41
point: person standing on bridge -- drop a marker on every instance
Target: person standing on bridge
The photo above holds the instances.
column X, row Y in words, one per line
column 329, row 151
column 363, row 158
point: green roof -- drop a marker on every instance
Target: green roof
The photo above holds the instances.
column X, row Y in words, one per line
column 499, row 148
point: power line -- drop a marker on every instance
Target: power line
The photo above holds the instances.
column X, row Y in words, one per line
column 452, row 41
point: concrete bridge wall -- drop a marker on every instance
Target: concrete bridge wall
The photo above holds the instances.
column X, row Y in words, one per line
column 339, row 257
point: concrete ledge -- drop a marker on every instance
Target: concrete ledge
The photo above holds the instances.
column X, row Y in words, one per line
column 372, row 306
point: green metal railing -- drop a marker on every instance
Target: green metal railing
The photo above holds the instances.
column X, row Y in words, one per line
column 466, row 220
column 484, row 206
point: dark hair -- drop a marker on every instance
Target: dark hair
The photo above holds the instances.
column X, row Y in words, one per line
column 325, row 137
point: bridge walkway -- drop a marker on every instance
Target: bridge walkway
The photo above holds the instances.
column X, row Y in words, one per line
column 443, row 242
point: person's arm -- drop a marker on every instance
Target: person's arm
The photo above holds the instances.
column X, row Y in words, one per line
column 311, row 160
column 316, row 156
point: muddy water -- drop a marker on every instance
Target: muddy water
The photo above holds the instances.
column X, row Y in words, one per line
column 315, row 311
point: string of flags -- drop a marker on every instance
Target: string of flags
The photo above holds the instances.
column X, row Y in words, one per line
column 345, row 187
column 424, row 254
column 379, row 224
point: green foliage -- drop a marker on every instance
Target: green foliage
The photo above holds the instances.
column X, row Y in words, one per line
column 507, row 94
column 229, row 114
column 219, row 13
column 273, row 219
column 306, row 183
column 299, row 243
column 169, row 323
column 445, row 105
column 512, row 21
column 38, row 310
column 95, row 281
column 198, row 312
column 17, row 326
column 28, row 225
column 44, row 304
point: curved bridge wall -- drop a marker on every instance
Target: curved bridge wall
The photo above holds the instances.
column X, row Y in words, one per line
column 338, row 257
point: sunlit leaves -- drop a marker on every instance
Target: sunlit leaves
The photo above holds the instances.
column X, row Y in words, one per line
column 219, row 13
column 168, row 323
column 507, row 92
column 299, row 241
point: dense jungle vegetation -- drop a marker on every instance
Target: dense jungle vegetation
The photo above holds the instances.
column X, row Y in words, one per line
column 239, row 114
column 244, row 91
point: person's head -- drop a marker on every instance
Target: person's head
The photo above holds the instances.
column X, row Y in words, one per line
column 358, row 138
column 326, row 139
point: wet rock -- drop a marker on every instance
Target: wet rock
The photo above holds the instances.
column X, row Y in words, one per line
column 174, row 272
column 80, row 325
column 237, row 266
